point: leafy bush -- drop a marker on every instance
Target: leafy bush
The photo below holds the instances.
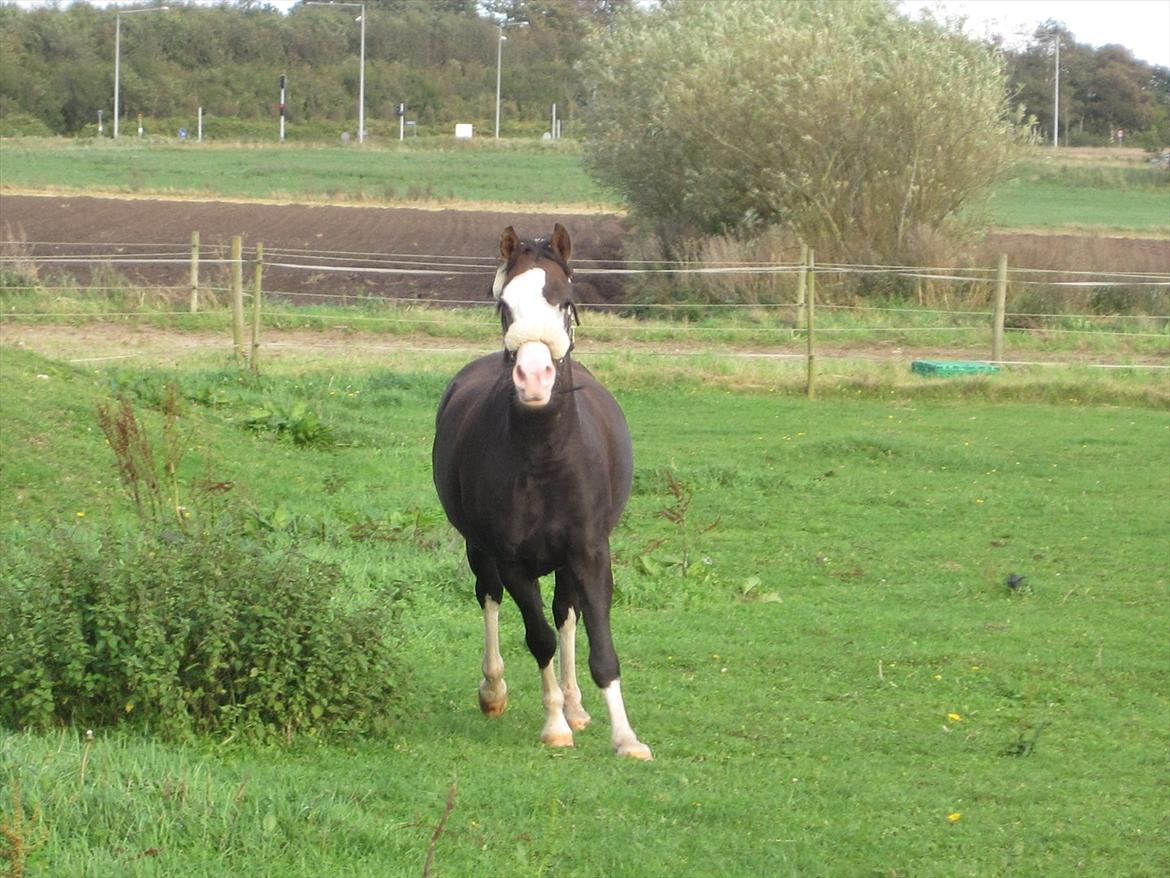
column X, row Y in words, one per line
column 844, row 123
column 200, row 632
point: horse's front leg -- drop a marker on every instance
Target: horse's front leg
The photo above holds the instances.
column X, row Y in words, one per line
column 596, row 596
column 565, row 618
column 542, row 643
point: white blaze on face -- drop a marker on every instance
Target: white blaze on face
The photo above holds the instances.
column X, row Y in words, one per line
column 533, row 318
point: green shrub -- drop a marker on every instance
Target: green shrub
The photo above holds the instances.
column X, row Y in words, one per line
column 207, row 631
column 23, row 125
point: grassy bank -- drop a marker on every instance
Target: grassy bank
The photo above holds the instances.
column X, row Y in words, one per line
column 822, row 650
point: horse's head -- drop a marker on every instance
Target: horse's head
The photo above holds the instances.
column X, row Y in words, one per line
column 533, row 289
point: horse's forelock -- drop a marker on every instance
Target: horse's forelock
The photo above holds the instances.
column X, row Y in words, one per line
column 539, row 249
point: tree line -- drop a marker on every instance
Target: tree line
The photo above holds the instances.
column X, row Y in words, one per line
column 437, row 56
column 1103, row 91
column 440, row 58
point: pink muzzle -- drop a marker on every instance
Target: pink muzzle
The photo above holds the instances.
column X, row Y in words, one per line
column 534, row 374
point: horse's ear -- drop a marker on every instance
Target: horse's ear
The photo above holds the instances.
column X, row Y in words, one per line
column 508, row 243
column 561, row 243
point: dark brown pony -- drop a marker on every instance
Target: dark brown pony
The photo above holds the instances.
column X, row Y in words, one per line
column 533, row 465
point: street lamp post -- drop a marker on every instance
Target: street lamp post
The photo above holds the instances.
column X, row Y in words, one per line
column 118, row 54
column 1056, row 95
column 499, row 68
column 362, row 71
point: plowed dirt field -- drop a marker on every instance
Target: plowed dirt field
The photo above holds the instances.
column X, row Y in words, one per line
column 53, row 225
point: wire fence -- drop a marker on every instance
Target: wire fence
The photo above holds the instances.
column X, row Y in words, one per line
column 1141, row 333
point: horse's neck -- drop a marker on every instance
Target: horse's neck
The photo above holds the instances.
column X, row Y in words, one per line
column 549, row 436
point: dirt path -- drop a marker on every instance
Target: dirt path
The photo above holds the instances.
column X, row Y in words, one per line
column 101, row 344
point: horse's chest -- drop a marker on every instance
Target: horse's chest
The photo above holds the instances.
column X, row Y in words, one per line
column 532, row 518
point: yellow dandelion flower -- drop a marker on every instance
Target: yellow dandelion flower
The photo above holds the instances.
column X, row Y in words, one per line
column 955, row 817
column 954, row 717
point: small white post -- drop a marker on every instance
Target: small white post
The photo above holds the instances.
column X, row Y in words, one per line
column 200, row 124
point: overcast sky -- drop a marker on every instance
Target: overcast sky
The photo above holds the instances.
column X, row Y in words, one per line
column 1142, row 26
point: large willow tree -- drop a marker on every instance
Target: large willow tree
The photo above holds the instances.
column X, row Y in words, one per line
column 861, row 131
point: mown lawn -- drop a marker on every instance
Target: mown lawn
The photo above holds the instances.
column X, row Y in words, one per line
column 822, row 651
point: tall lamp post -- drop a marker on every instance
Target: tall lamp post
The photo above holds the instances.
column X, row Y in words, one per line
column 499, row 68
column 362, row 71
column 1056, row 94
column 118, row 54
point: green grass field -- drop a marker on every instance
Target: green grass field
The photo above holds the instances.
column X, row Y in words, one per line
column 1046, row 193
column 529, row 173
column 841, row 683
column 1038, row 203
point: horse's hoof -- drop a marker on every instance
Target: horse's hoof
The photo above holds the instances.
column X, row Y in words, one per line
column 557, row 739
column 577, row 719
column 493, row 707
column 635, row 750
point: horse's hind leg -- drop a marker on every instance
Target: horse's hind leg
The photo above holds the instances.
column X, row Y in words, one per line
column 489, row 590
column 565, row 618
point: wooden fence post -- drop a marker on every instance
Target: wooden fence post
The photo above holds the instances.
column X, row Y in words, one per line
column 801, row 283
column 257, row 296
column 194, row 272
column 238, row 298
column 810, row 311
column 1000, row 309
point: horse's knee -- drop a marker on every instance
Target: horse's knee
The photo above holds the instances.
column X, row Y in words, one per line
column 542, row 642
column 603, row 666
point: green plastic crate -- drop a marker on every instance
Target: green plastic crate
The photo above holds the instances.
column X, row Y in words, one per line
column 946, row 368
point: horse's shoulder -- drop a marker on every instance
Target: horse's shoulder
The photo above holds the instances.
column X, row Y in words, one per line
column 472, row 381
